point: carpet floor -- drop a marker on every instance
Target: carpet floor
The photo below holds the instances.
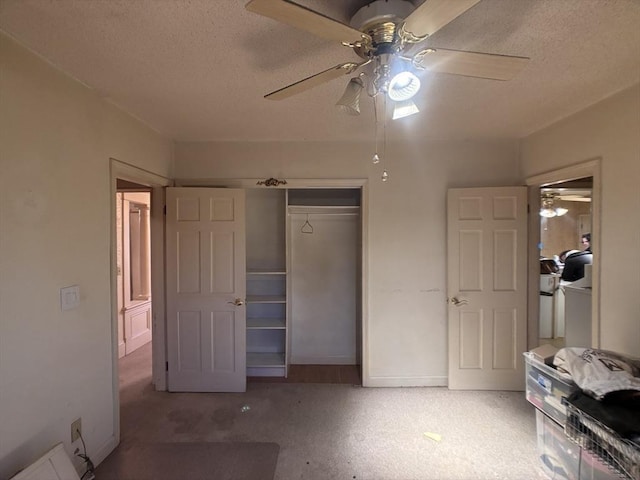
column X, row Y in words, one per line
column 193, row 461
column 340, row 431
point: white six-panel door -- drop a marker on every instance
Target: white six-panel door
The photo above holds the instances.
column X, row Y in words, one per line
column 206, row 316
column 487, row 287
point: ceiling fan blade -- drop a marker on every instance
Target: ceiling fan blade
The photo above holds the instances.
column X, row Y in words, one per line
column 306, row 19
column 573, row 198
column 470, row 64
column 432, row 15
column 315, row 80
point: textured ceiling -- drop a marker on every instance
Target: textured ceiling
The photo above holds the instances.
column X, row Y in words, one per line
column 198, row 69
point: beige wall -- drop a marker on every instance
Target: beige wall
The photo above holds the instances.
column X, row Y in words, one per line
column 56, row 137
column 407, row 326
column 609, row 130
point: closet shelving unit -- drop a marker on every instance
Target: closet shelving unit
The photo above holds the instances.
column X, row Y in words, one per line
column 266, row 276
column 266, row 318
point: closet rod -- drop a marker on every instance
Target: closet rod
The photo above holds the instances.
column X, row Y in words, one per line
column 329, row 213
column 330, row 207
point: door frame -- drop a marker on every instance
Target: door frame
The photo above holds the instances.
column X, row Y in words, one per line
column 591, row 168
column 309, row 183
column 125, row 171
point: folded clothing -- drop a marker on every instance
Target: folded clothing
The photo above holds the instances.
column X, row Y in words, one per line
column 610, row 431
column 599, row 372
column 621, row 417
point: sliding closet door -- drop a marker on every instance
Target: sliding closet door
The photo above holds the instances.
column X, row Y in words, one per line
column 324, row 246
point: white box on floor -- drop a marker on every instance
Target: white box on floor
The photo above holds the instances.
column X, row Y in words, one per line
column 53, row 465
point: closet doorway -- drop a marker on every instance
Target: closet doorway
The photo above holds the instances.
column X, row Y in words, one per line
column 303, row 255
column 324, row 248
column 305, row 305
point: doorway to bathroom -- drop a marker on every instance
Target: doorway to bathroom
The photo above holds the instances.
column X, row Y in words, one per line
column 133, row 265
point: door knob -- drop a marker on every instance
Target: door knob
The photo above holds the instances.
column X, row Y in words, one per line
column 458, row 302
column 237, row 302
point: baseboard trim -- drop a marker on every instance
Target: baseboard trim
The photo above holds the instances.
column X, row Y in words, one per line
column 104, row 451
column 308, row 360
column 374, row 381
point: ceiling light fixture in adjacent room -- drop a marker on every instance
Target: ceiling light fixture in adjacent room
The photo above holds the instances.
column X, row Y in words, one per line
column 561, row 211
column 548, row 210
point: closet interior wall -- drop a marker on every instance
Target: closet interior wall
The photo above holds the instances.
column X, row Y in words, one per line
column 324, row 270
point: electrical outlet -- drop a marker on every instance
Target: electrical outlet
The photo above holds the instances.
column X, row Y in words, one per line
column 76, row 430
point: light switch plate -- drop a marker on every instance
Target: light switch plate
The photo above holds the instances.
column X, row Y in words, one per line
column 69, row 297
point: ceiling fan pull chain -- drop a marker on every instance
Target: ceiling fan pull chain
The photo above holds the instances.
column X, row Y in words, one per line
column 376, row 157
column 385, row 175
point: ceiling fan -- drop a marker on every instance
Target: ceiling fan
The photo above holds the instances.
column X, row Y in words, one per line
column 548, row 209
column 567, row 194
column 574, row 198
column 548, row 196
column 383, row 34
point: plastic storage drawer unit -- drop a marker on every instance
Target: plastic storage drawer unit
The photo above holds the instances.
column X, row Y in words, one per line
column 546, row 387
column 560, row 457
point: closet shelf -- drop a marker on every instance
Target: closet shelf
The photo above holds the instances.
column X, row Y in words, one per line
column 265, row 360
column 266, row 323
column 324, row 209
column 275, row 271
column 266, row 299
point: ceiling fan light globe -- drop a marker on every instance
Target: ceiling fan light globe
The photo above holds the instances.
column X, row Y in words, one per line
column 403, row 86
column 349, row 103
column 404, row 109
column 349, row 110
column 561, row 211
column 547, row 212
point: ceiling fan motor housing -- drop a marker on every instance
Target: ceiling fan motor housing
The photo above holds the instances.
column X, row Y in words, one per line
column 381, row 20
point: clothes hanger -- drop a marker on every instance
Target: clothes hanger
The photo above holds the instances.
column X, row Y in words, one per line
column 306, row 226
